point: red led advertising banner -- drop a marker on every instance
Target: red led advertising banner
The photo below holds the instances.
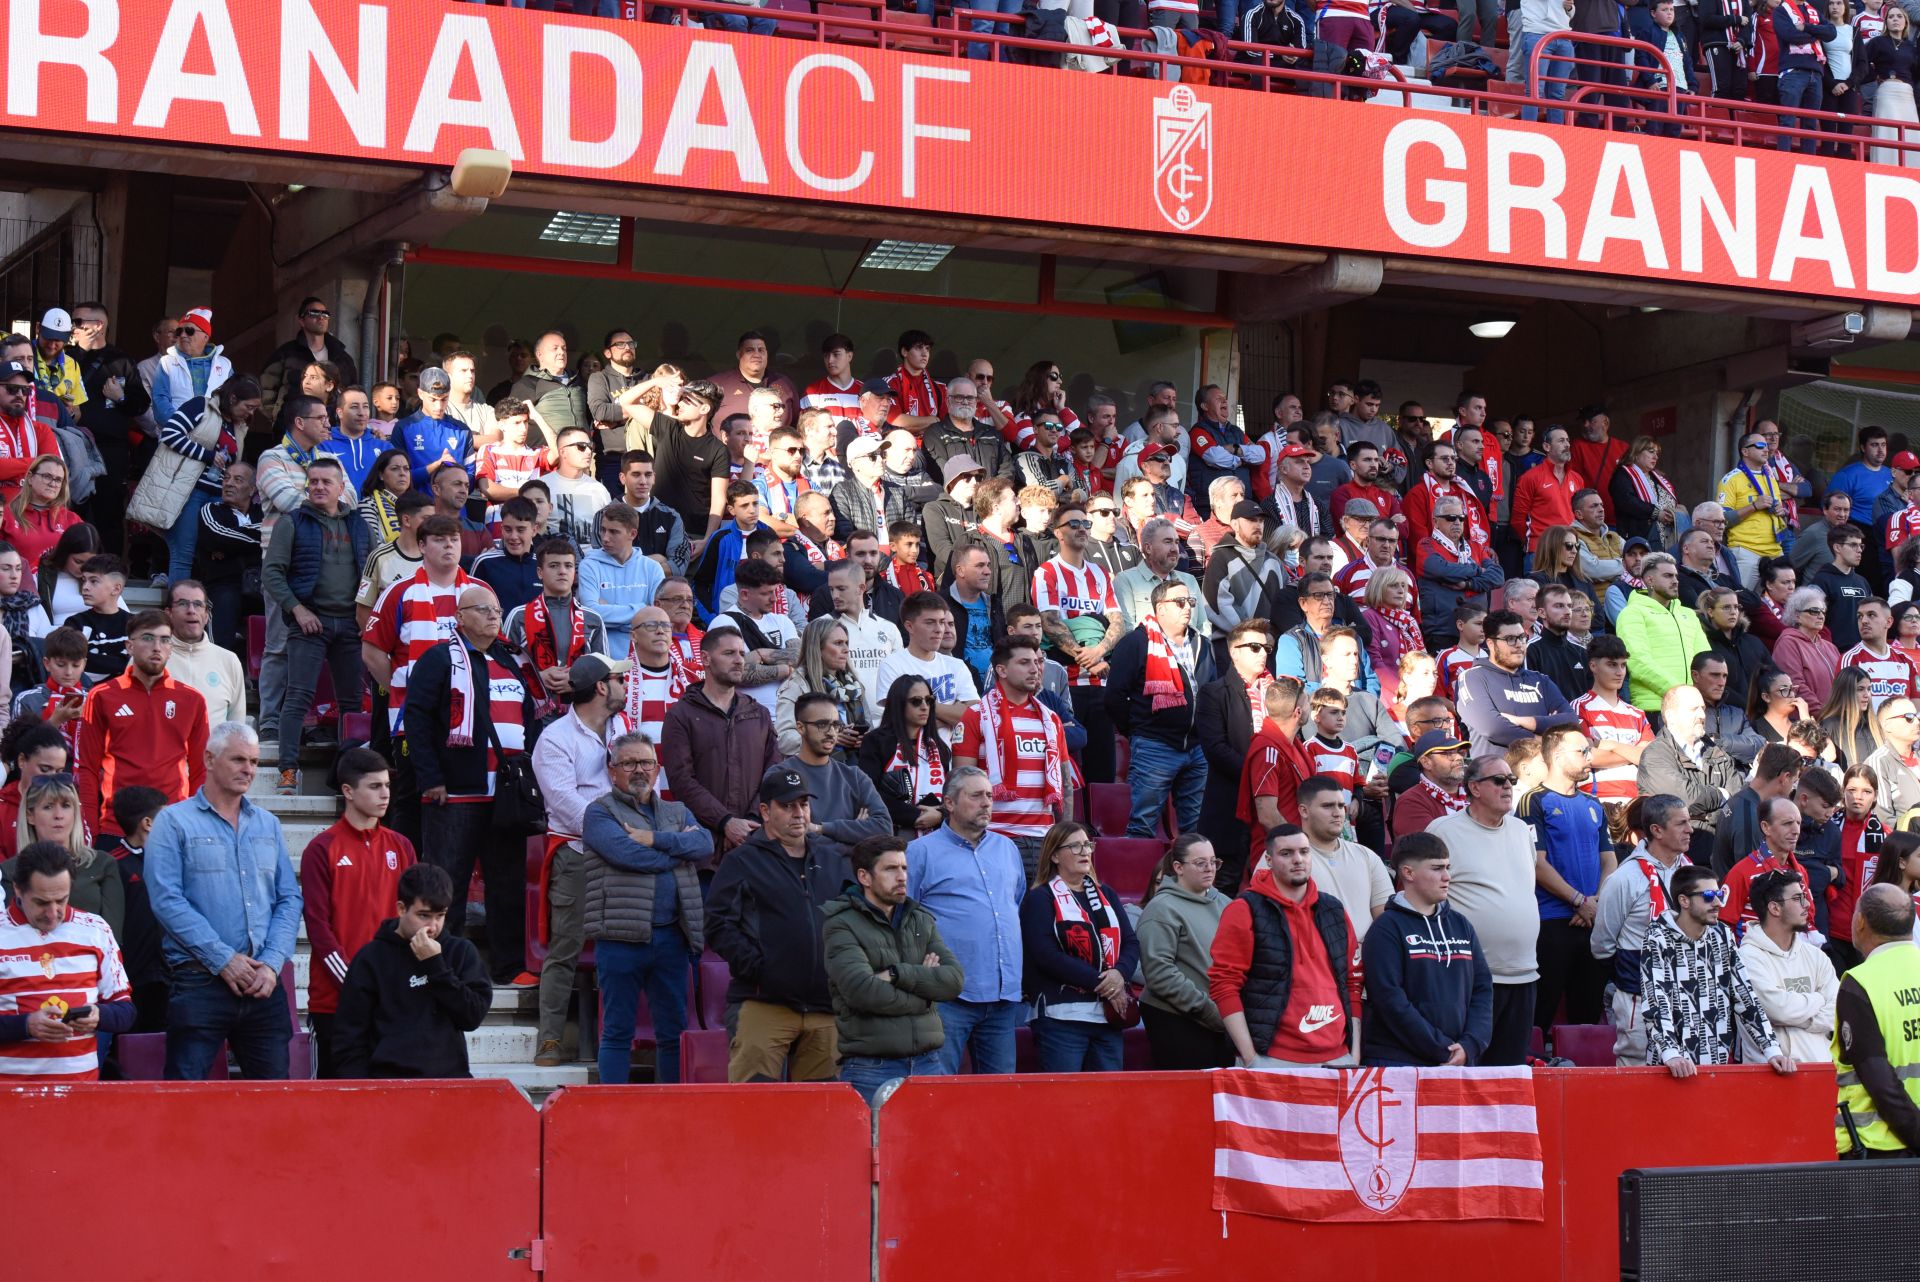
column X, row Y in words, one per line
column 416, row 81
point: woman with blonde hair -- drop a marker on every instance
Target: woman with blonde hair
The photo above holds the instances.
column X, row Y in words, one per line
column 1394, row 629
column 50, row 811
column 39, row 514
column 824, row 668
column 1079, row 948
column 1847, row 717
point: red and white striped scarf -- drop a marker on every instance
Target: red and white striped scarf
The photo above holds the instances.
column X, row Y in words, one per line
column 460, row 685
column 996, row 741
column 817, row 556
column 1257, row 697
column 1165, row 679
column 1451, row 802
column 688, row 671
column 1289, row 510
column 1649, row 486
column 543, row 642
column 1405, row 624
column 927, row 756
column 1495, row 466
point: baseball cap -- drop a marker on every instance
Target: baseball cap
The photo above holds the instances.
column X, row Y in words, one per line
column 878, row 387
column 1153, row 452
column 1247, row 510
column 863, row 446
column 1438, row 741
column 783, row 783
column 56, row 325
column 1906, row 461
column 200, row 318
column 1360, row 510
column 434, row 381
column 589, row 670
column 11, row 369
column 958, row 466
column 1297, row 450
column 1635, row 542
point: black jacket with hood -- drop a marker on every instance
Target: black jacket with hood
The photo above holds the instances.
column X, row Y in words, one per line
column 763, row 917
column 403, row 1017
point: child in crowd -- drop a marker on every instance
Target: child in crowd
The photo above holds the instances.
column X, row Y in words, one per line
column 135, row 809
column 509, row 463
column 1331, row 756
column 60, row 699
column 903, row 566
column 104, row 622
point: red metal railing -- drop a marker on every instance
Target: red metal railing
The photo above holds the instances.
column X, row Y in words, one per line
column 1612, row 98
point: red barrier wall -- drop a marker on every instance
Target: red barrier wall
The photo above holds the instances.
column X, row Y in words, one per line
column 1133, row 1156
column 284, row 1181
column 722, row 1183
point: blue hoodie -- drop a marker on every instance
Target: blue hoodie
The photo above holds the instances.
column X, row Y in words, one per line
column 1428, row 986
column 424, row 439
column 615, row 591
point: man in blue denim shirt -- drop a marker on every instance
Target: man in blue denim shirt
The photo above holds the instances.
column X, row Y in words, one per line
column 972, row 880
column 225, row 894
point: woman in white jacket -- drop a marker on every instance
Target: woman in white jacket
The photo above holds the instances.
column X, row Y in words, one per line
column 1791, row 976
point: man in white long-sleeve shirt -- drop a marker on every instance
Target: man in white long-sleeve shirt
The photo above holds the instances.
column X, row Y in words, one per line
column 1794, row 981
column 1630, row 901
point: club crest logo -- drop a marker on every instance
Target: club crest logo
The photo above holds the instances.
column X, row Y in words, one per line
column 1182, row 158
column 1379, row 1134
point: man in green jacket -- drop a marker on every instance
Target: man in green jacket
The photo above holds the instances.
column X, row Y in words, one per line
column 1662, row 633
column 888, row 970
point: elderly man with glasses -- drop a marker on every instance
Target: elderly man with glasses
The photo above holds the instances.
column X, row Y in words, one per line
column 1493, row 887
column 1154, row 679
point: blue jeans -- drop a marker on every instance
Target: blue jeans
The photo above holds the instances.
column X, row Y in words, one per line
column 1158, row 771
column 203, row 1012
column 184, row 535
column 987, row 27
column 1069, row 1046
column 738, row 22
column 1553, row 73
column 1799, row 87
column 868, row 1073
column 661, row 968
column 985, row 1028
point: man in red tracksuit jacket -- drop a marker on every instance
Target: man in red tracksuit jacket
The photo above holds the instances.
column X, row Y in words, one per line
column 349, row 882
column 141, row 727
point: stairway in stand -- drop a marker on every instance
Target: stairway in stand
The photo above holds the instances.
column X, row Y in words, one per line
column 503, row 1046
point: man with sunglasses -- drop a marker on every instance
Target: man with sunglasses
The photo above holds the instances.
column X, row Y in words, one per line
column 1698, row 1000
column 22, row 435
column 1755, row 507
column 1153, row 697
column 1493, row 887
column 281, row 375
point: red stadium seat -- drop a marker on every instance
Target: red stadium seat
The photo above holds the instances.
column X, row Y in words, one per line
column 256, row 644
column 711, row 978
column 1108, row 805
column 703, row 1056
column 1127, row 863
column 1587, row 1045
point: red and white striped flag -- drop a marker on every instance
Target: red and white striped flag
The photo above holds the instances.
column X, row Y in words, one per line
column 1371, row 1144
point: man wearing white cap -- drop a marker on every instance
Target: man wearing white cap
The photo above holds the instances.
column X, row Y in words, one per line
column 53, row 368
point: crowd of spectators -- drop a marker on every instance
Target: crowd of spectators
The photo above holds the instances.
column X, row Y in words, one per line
column 1425, row 737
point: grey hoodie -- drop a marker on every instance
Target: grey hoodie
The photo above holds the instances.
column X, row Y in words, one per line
column 1176, row 945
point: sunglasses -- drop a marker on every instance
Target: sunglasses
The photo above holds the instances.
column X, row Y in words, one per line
column 317, row 312
column 1101, row 511
column 60, row 779
column 1499, row 781
column 1076, row 525
column 919, row 701
column 184, row 330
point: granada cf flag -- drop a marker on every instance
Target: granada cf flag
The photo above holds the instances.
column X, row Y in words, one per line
column 1370, row 1144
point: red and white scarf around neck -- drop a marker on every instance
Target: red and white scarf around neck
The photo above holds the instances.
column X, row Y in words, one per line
column 1649, row 487
column 460, row 685
column 926, row 759
column 1166, row 681
column 1002, row 758
column 1104, row 924
column 543, row 642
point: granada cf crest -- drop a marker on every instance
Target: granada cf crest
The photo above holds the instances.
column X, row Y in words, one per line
column 1378, row 1134
column 1182, row 157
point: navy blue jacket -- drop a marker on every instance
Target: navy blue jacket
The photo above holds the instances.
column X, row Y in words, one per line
column 514, row 579
column 1787, row 26
column 1053, row 975
column 1483, row 692
column 1428, row 986
column 424, row 439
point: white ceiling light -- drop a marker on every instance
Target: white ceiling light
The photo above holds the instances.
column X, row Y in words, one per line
column 1491, row 328
column 905, row 256
column 582, row 229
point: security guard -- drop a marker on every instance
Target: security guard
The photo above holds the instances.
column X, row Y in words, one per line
column 1876, row 1039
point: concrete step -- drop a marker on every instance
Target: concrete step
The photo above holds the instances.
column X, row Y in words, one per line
column 502, row 1044
column 537, row 1082
column 512, row 1007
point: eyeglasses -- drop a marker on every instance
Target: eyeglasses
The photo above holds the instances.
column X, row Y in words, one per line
column 954, row 398
column 1813, row 609
column 1904, row 716
column 577, row 445
column 1448, row 516
column 673, row 600
column 317, row 312
column 621, row 342
column 1710, row 896
column 1318, row 596
column 1258, row 647
column 826, row 723
column 660, row 625
column 648, row 763
column 185, row 330
column 154, row 638
column 1101, row 511
column 1511, row 639
column 484, row 611
column 1179, row 602
column 1201, row 864
column 188, row 603
column 1072, row 847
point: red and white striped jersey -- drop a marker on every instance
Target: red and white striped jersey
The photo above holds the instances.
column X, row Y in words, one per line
column 1087, row 590
column 1891, row 676
column 1613, row 721
column 507, row 689
column 1025, row 813
column 1452, row 662
column 1901, row 526
column 511, row 465
column 917, row 395
column 825, row 394
column 908, row 578
column 1353, row 576
column 412, row 617
column 1337, row 761
column 648, row 694
column 75, row 964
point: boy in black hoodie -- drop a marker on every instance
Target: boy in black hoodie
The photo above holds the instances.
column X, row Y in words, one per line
column 1429, row 991
column 413, row 994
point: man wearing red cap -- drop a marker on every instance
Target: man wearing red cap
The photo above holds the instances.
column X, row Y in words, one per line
column 1290, row 467
column 1905, row 521
column 189, row 368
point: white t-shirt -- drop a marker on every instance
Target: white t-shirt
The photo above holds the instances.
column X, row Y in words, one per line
column 1358, row 879
column 576, row 507
column 869, row 641
column 778, row 629
column 949, row 678
column 1493, row 888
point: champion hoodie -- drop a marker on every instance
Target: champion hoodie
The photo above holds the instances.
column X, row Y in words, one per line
column 1428, row 986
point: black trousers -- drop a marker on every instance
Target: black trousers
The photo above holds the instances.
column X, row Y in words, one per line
column 1099, row 760
column 322, row 1045
column 460, row 834
column 1568, row 969
column 1180, row 1043
column 1512, row 1025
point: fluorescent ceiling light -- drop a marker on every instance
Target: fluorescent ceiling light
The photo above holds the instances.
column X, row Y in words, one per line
column 905, row 256
column 582, row 229
column 1491, row 328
